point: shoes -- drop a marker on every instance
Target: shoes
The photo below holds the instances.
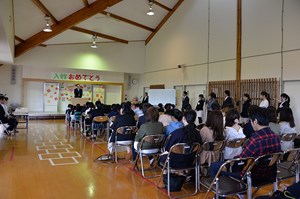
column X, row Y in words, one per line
column 152, row 161
column 105, row 157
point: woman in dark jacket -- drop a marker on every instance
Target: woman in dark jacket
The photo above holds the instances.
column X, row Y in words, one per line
column 284, row 103
column 246, row 105
column 125, row 119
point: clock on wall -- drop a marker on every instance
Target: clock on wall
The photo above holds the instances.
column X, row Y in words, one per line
column 134, row 81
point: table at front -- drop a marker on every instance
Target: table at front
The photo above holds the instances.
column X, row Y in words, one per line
column 19, row 117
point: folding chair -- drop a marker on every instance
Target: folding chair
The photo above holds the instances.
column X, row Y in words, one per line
column 289, row 165
column 127, row 132
column 86, row 127
column 100, row 125
column 232, row 178
column 287, row 140
column 3, row 128
column 234, row 144
column 149, row 146
column 216, row 148
column 181, row 158
column 78, row 120
column 266, row 162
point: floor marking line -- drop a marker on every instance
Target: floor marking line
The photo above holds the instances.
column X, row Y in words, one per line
column 12, row 154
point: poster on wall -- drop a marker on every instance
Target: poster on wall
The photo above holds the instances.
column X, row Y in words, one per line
column 99, row 93
column 66, row 93
column 51, row 97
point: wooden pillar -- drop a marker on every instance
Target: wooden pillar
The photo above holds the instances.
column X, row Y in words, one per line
column 238, row 51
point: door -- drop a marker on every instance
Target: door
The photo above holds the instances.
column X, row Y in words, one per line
column 179, row 90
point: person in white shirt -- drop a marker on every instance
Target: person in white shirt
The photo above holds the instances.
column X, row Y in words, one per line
column 287, row 126
column 265, row 99
column 232, row 131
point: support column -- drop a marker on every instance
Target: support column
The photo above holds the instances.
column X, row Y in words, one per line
column 238, row 52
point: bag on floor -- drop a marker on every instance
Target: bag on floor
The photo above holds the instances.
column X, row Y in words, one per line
column 176, row 182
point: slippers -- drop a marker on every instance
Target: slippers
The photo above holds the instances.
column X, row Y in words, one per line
column 104, row 157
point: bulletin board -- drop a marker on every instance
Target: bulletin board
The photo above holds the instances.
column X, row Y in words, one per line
column 51, row 96
column 99, row 93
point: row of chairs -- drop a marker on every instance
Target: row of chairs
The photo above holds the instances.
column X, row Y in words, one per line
column 220, row 185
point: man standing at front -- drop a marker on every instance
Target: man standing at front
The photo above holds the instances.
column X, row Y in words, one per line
column 145, row 98
column 78, row 91
column 185, row 101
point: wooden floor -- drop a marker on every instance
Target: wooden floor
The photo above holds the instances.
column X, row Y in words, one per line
column 53, row 162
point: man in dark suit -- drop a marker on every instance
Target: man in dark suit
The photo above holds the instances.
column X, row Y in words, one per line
column 78, row 91
column 185, row 101
column 145, row 98
column 228, row 100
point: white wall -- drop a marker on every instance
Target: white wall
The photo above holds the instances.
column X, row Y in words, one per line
column 183, row 40
column 113, row 94
column 34, row 96
column 112, row 57
column 261, row 43
column 6, row 32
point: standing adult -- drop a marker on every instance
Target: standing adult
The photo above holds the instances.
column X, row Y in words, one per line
column 78, row 91
column 199, row 108
column 265, row 99
column 284, row 102
column 246, row 105
column 145, row 98
column 212, row 99
column 185, row 101
column 227, row 100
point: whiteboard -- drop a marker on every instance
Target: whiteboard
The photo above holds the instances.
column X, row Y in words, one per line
column 163, row 96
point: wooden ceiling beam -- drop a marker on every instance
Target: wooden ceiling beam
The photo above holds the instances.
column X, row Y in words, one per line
column 162, row 6
column 164, row 20
column 78, row 29
column 19, row 39
column 86, row 3
column 128, row 21
column 64, row 25
column 41, row 6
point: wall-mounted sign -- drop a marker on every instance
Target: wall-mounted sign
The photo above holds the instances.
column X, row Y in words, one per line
column 75, row 77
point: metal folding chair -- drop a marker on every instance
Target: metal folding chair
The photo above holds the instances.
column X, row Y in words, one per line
column 3, row 128
column 287, row 140
column 149, row 146
column 232, row 178
column 102, row 121
column 234, row 144
column 126, row 131
column 288, row 167
column 181, row 158
column 266, row 162
column 216, row 148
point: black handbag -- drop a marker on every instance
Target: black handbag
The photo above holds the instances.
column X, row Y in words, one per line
column 176, row 182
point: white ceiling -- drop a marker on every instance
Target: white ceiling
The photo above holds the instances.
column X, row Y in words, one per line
column 29, row 20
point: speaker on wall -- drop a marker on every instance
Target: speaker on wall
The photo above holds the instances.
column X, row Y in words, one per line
column 13, row 75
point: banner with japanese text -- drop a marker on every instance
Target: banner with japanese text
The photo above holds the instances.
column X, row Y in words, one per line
column 75, row 77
